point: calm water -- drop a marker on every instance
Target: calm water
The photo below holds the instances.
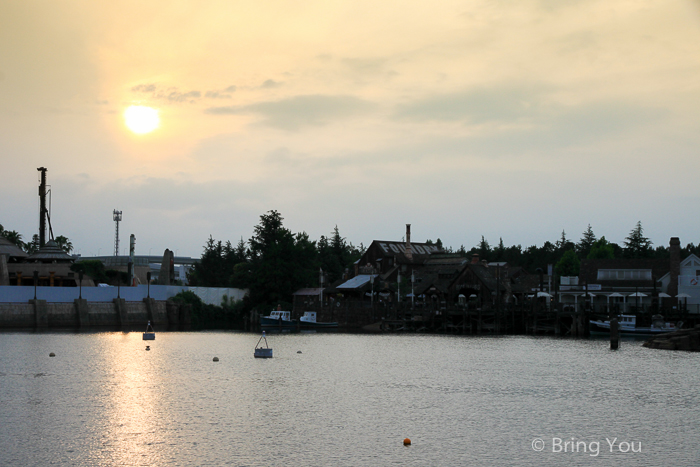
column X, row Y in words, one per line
column 346, row 400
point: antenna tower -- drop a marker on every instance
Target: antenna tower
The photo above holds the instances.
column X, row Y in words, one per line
column 117, row 216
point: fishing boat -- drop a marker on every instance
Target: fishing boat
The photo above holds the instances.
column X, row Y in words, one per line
column 150, row 334
column 308, row 321
column 278, row 320
column 260, row 351
column 628, row 325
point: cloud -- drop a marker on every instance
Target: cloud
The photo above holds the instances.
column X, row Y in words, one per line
column 475, row 105
column 144, row 88
column 365, row 65
column 177, row 96
column 300, row 111
column 171, row 94
column 270, row 84
column 217, row 95
column 231, row 88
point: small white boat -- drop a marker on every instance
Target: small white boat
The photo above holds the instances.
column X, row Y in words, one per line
column 628, row 325
column 308, row 321
column 150, row 334
column 260, row 351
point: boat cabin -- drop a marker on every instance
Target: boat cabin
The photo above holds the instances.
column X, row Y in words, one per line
column 628, row 320
column 309, row 317
column 283, row 315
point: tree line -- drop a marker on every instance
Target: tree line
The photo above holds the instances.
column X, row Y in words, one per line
column 566, row 255
column 274, row 262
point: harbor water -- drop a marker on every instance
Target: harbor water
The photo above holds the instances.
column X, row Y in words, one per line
column 343, row 400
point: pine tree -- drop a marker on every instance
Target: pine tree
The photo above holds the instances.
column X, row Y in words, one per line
column 636, row 244
column 586, row 243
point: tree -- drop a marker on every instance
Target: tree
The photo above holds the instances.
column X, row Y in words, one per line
column 64, row 244
column 91, row 267
column 12, row 235
column 583, row 247
column 601, row 249
column 484, row 248
column 499, row 251
column 569, row 264
column 636, row 244
column 273, row 272
column 564, row 244
column 33, row 246
column 210, row 272
column 335, row 255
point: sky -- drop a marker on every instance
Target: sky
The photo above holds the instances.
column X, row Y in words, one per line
column 514, row 120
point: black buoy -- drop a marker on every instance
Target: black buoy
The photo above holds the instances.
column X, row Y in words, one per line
column 216, row 359
column 148, row 347
column 52, row 354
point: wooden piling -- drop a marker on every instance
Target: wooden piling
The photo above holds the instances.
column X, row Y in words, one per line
column 614, row 334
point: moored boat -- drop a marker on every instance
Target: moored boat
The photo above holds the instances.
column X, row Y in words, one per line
column 278, row 320
column 628, row 325
column 308, row 321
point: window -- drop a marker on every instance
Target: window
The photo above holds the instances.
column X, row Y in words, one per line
column 624, row 274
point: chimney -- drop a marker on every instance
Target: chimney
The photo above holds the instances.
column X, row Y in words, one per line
column 409, row 250
column 475, row 258
column 675, row 269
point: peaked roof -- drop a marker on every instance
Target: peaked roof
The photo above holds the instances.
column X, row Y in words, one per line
column 691, row 261
column 8, row 248
column 50, row 253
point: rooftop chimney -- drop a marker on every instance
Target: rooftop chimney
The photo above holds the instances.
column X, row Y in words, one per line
column 409, row 250
column 675, row 269
column 475, row 258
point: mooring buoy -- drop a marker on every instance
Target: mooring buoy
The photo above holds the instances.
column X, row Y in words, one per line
column 148, row 347
column 298, row 351
column 52, row 354
column 407, row 441
column 216, row 359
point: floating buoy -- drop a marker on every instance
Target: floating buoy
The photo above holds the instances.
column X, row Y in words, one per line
column 216, row 359
column 298, row 351
column 407, row 441
column 52, row 354
column 148, row 347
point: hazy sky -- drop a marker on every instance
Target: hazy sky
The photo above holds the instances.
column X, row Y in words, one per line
column 507, row 119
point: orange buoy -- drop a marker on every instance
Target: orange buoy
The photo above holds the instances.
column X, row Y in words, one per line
column 407, row 441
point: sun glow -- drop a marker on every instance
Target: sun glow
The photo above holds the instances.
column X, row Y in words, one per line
column 141, row 119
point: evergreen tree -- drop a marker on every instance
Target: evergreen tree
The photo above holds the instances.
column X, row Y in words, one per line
column 586, row 243
column 484, row 249
column 636, row 244
column 211, row 270
column 499, row 251
column 280, row 263
column 564, row 244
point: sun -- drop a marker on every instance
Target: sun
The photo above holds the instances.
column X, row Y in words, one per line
column 141, row 119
